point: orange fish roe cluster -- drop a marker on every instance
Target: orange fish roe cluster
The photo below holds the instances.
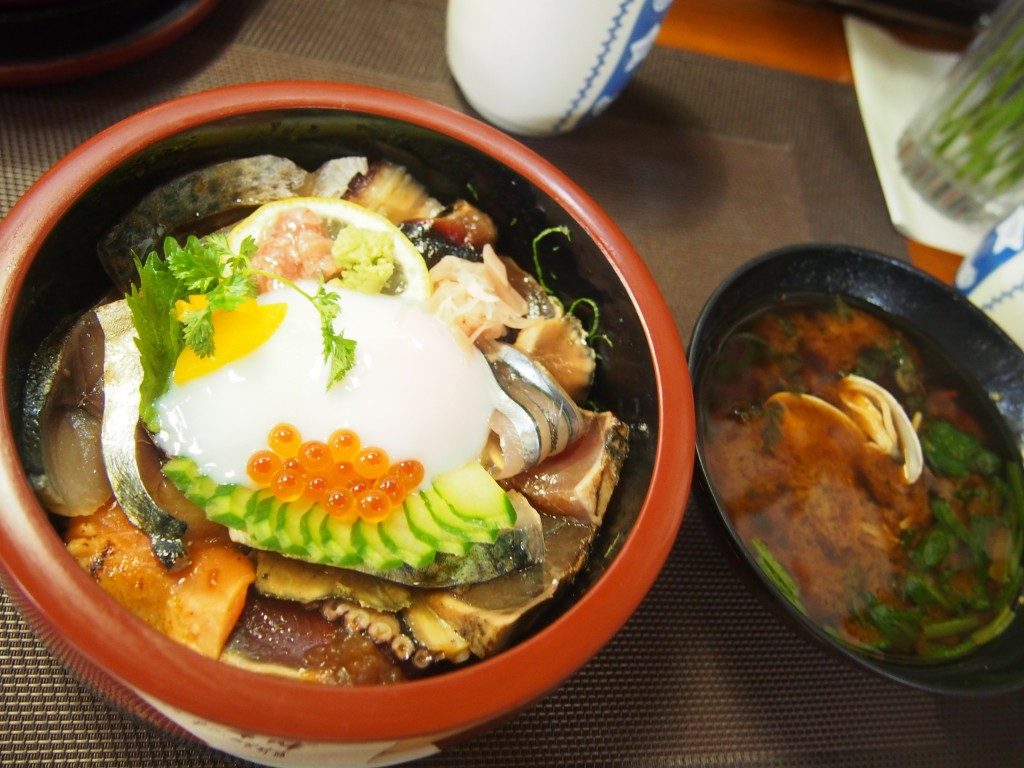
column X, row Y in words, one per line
column 348, row 480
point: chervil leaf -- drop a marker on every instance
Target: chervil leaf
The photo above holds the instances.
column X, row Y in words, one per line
column 235, row 289
column 340, row 355
column 326, row 303
column 339, row 352
column 158, row 333
column 200, row 264
column 247, row 249
column 197, row 330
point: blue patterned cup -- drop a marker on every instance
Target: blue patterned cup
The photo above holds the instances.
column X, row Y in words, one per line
column 544, row 67
column 993, row 277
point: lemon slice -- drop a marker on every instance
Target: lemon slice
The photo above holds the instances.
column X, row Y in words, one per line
column 410, row 278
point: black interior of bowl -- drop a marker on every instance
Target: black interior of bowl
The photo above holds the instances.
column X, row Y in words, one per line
column 66, row 277
column 41, row 32
column 931, row 313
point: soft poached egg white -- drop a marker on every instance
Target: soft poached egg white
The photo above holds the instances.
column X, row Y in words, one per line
column 418, row 389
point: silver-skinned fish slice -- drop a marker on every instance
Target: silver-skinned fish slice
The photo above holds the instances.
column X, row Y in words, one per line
column 177, row 206
column 534, row 419
column 59, row 439
column 122, row 377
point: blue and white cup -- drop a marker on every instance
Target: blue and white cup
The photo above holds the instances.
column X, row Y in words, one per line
column 993, row 277
column 544, row 67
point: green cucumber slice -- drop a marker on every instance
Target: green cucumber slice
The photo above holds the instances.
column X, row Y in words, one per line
column 336, row 540
column 396, row 533
column 474, row 530
column 409, row 547
column 476, row 496
column 427, row 529
column 372, row 548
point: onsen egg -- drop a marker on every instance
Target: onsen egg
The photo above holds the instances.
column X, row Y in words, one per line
column 418, row 389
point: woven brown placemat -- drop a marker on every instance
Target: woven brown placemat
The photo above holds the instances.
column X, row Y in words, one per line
column 704, row 163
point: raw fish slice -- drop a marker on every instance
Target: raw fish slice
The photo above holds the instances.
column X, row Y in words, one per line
column 461, row 230
column 289, row 579
column 432, row 633
column 122, row 377
column 537, row 419
column 286, row 638
column 333, row 177
column 538, row 300
column 197, row 606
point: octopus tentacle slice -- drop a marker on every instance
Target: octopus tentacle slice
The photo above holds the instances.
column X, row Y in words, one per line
column 382, row 629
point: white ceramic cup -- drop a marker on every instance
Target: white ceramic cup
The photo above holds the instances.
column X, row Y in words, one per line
column 543, row 67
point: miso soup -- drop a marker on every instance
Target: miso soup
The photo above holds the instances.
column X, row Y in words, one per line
column 873, row 485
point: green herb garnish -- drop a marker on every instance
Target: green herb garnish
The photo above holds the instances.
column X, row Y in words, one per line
column 934, row 548
column 771, row 432
column 537, row 269
column 339, row 352
column 954, row 453
column 208, row 267
column 158, row 333
column 777, row 572
column 1016, row 481
column 593, row 331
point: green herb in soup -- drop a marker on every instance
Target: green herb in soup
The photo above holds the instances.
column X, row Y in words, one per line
column 866, row 480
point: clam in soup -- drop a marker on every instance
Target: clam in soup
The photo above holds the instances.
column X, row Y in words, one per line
column 873, row 488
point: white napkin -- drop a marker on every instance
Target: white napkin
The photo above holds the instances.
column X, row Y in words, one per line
column 892, row 80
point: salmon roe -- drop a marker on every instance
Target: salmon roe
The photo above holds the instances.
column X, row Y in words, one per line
column 372, row 463
column 339, row 502
column 343, row 444
column 373, row 505
column 288, row 485
column 284, row 440
column 262, row 467
column 349, row 480
column 314, row 456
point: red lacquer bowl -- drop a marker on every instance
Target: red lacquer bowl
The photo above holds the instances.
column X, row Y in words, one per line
column 49, row 268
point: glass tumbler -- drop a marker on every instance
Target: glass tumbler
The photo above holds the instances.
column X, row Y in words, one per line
column 964, row 149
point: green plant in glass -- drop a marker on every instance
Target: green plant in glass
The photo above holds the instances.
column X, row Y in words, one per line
column 964, row 150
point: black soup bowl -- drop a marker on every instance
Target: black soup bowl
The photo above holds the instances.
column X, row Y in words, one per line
column 948, row 328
